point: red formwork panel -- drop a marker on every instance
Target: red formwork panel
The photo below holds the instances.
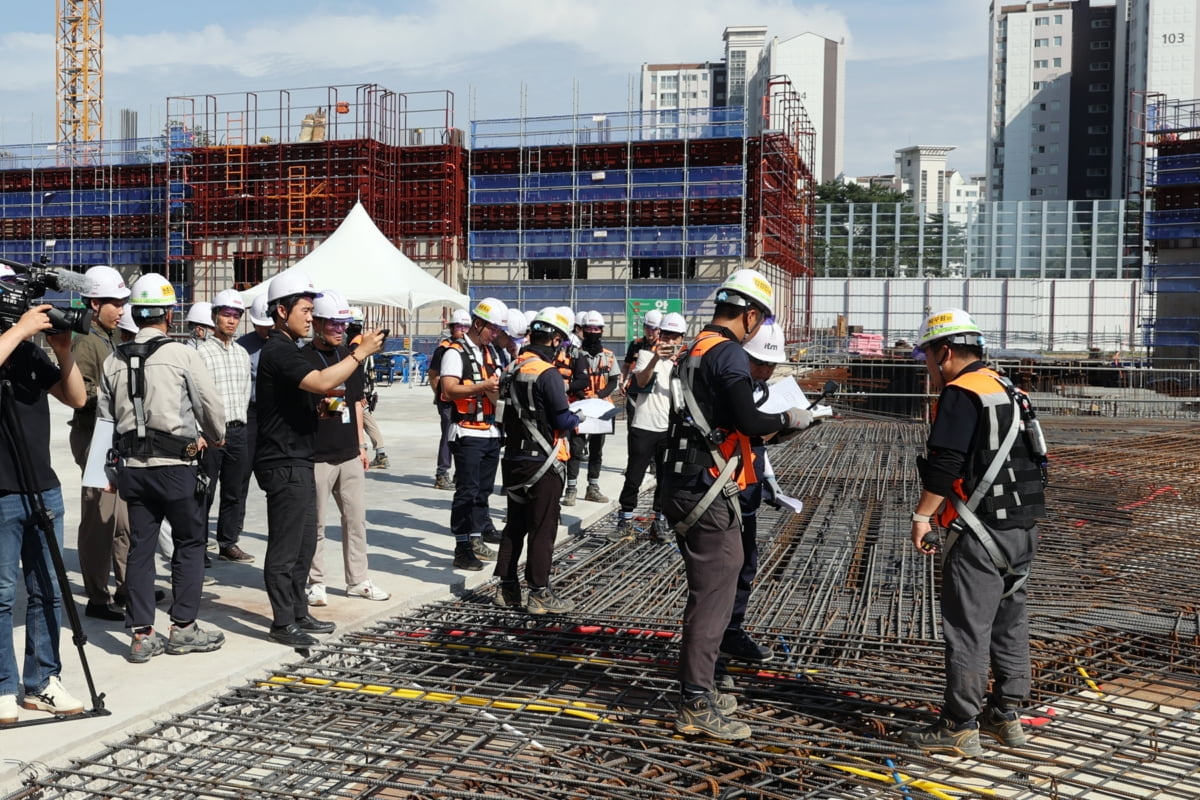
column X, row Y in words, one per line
column 715, row 211
column 715, row 152
column 555, row 158
column 591, row 157
column 650, row 155
column 547, row 216
column 656, row 213
column 501, row 161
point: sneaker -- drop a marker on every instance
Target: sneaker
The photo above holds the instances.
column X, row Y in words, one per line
column 545, row 601
column 593, row 494
column 569, row 496
column 726, row 703
column 738, row 644
column 481, row 550
column 661, row 532
column 465, row 558
column 315, row 594
column 1003, row 726
column 235, row 553
column 368, row 590
column 9, row 710
column 944, row 737
column 702, row 716
column 624, row 531
column 442, row 481
column 53, row 698
column 146, row 646
column 193, row 639
column 209, row 580
column 380, row 461
column 508, row 595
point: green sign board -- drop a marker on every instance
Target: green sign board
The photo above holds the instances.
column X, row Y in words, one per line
column 635, row 311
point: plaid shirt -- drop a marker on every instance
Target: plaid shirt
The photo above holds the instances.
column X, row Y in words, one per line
column 229, row 366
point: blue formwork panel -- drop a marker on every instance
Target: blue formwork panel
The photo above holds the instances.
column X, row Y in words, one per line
column 548, row 180
column 1176, row 278
column 491, row 182
column 661, row 175
column 596, row 194
column 495, row 197
column 658, row 192
column 548, row 195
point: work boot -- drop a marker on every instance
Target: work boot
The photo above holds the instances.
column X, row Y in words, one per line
column 492, row 536
column 442, row 481
column 380, row 461
column 146, row 646
column 624, row 532
column 545, row 601
column 738, row 644
column 593, row 494
column 1002, row 725
column 481, row 550
column 943, row 736
column 661, row 532
column 53, row 697
column 702, row 716
column 193, row 639
column 569, row 496
column 508, row 595
column 465, row 558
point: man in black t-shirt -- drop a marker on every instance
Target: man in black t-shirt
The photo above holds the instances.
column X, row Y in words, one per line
column 286, row 396
column 341, row 456
column 23, row 545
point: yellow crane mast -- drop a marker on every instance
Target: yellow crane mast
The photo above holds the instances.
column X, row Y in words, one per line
column 79, row 66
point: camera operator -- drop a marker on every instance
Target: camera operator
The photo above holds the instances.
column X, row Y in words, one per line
column 23, row 545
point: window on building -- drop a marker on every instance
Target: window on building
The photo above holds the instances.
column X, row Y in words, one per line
column 1039, row 21
column 1055, row 127
column 1058, row 19
column 1036, row 192
column 1097, row 130
column 1098, row 108
column 1102, row 45
column 1052, row 169
column 1097, row 172
column 651, row 268
column 1058, row 41
column 1041, row 63
column 1041, row 148
column 1099, row 87
column 1039, row 85
column 1058, row 62
column 557, row 269
column 1055, row 105
column 1039, row 127
column 1095, row 194
column 1100, row 66
column 1041, row 42
column 247, row 270
column 1102, row 23
column 669, row 81
column 1097, row 151
column 1037, row 170
column 1052, row 147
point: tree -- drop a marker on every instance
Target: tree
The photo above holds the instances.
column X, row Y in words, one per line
column 835, row 191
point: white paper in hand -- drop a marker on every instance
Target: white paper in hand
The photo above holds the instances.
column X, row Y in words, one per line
column 791, row 504
column 783, row 395
column 102, row 441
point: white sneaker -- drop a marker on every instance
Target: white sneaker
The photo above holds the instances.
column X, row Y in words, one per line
column 9, row 711
column 316, row 594
column 54, row 698
column 368, row 590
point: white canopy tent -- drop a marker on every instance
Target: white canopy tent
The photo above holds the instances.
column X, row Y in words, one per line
column 359, row 261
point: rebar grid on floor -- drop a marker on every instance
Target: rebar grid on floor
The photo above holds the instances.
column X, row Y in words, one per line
column 465, row 700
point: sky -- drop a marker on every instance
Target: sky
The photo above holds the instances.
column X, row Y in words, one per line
column 916, row 71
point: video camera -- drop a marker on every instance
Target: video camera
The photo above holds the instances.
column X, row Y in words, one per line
column 25, row 290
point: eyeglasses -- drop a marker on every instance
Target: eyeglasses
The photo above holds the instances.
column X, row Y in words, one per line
column 335, row 324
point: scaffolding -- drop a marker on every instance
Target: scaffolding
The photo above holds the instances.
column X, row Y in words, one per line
column 1169, row 130
column 257, row 179
column 597, row 209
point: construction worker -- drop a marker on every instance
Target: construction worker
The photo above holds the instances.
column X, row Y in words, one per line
column 200, row 323
column 708, row 461
column 982, row 480
column 160, row 397
column 370, row 426
column 650, row 327
column 287, row 395
column 103, row 538
column 460, row 321
column 536, row 422
column 763, row 350
column 28, row 376
column 341, row 456
column 229, row 466
column 651, row 374
column 470, row 381
column 604, row 376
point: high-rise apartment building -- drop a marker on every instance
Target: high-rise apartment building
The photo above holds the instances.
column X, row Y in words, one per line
column 743, row 46
column 1057, row 116
column 923, row 169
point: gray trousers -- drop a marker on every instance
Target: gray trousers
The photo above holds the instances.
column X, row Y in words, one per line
column 981, row 629
column 371, row 429
column 712, row 559
column 103, row 540
column 346, row 481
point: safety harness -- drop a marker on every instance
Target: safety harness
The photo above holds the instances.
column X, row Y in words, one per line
column 478, row 412
column 733, row 467
column 965, row 507
column 143, row 442
column 520, row 377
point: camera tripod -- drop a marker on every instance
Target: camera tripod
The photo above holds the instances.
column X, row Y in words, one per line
column 11, row 428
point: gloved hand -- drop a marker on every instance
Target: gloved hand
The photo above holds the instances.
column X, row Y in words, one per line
column 771, row 491
column 798, row 418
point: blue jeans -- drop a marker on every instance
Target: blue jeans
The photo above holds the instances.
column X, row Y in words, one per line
column 23, row 547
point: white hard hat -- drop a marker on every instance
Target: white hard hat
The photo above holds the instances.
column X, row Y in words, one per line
column 654, row 318
column 581, row 318
column 530, row 315
column 289, row 283
column 744, row 285
column 594, row 319
column 331, row 305
column 106, row 283
column 6, row 271
column 258, row 312
column 953, row 324
column 460, row 317
column 201, row 314
column 126, row 322
column 551, row 320
column 491, row 310
column 672, row 323
column 517, row 324
column 356, row 314
column 229, row 298
column 152, row 296
column 767, row 345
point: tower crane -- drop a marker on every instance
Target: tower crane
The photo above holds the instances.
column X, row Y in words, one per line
column 79, row 70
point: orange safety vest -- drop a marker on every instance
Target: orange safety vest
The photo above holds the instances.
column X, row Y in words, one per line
column 734, row 442
column 528, row 367
column 477, row 412
column 598, row 376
